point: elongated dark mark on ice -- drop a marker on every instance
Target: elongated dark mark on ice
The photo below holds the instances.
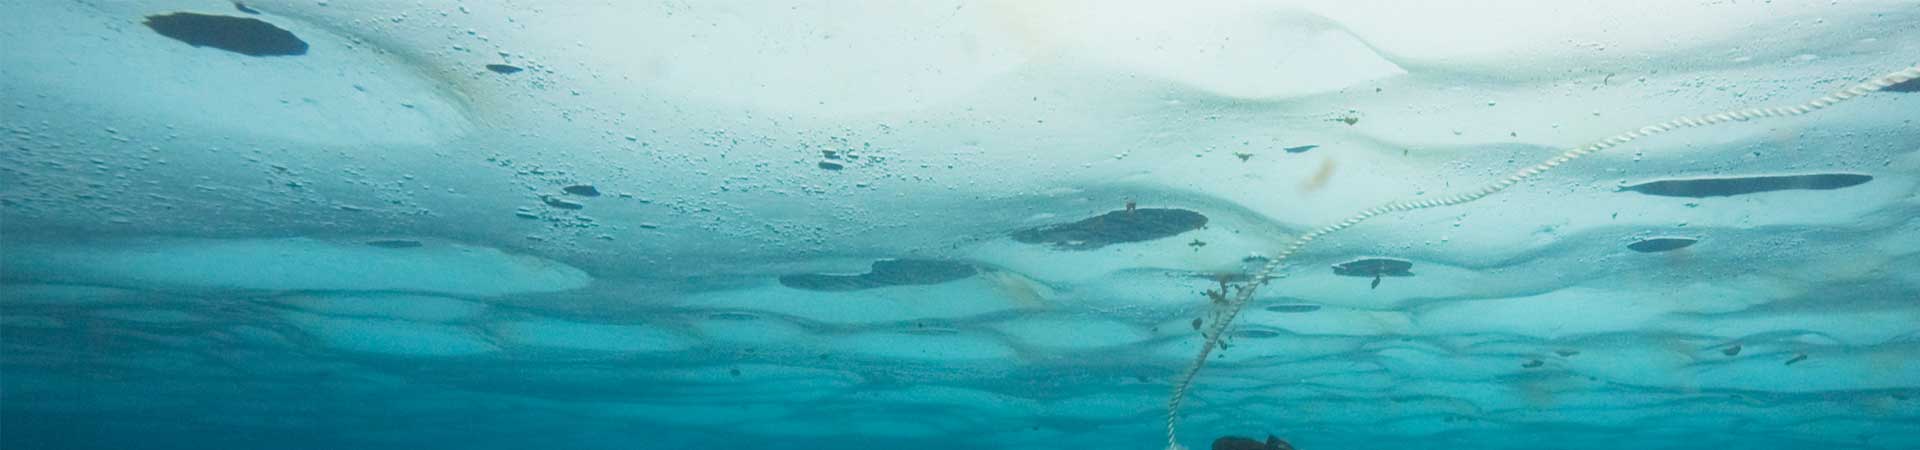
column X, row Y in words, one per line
column 243, row 35
column 1731, row 186
column 1661, row 244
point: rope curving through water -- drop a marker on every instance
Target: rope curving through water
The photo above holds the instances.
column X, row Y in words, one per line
column 1265, row 274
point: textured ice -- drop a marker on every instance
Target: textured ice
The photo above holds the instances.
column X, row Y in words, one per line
column 291, row 264
column 1066, row 333
column 743, row 328
column 485, row 224
column 159, row 316
column 924, row 344
column 594, row 337
column 390, row 337
column 395, row 306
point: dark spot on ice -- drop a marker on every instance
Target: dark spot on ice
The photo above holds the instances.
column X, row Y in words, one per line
column 1661, row 244
column 1230, row 277
column 243, row 8
column 1370, row 267
column 1256, row 333
column 243, row 35
column 1731, row 186
column 1196, row 323
column 889, row 272
column 583, row 190
column 504, row 69
column 1240, row 443
column 831, row 165
column 734, row 372
column 733, row 316
column 1731, row 350
column 924, row 331
column 1301, row 149
column 1533, row 364
column 1912, row 85
column 394, row 243
column 1566, row 353
column 1116, row 227
column 830, row 154
column 1797, row 358
column 560, row 203
column 1294, row 308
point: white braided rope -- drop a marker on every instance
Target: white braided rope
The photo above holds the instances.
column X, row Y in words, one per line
column 1265, row 274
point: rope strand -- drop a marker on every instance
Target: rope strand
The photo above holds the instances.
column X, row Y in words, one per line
column 1266, row 271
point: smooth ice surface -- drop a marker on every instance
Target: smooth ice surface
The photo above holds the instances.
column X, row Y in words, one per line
column 291, row 264
column 489, row 224
column 591, row 337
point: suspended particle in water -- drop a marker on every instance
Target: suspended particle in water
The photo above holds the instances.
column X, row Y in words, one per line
column 1320, row 176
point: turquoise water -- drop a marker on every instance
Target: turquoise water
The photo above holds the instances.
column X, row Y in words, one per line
column 959, row 225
